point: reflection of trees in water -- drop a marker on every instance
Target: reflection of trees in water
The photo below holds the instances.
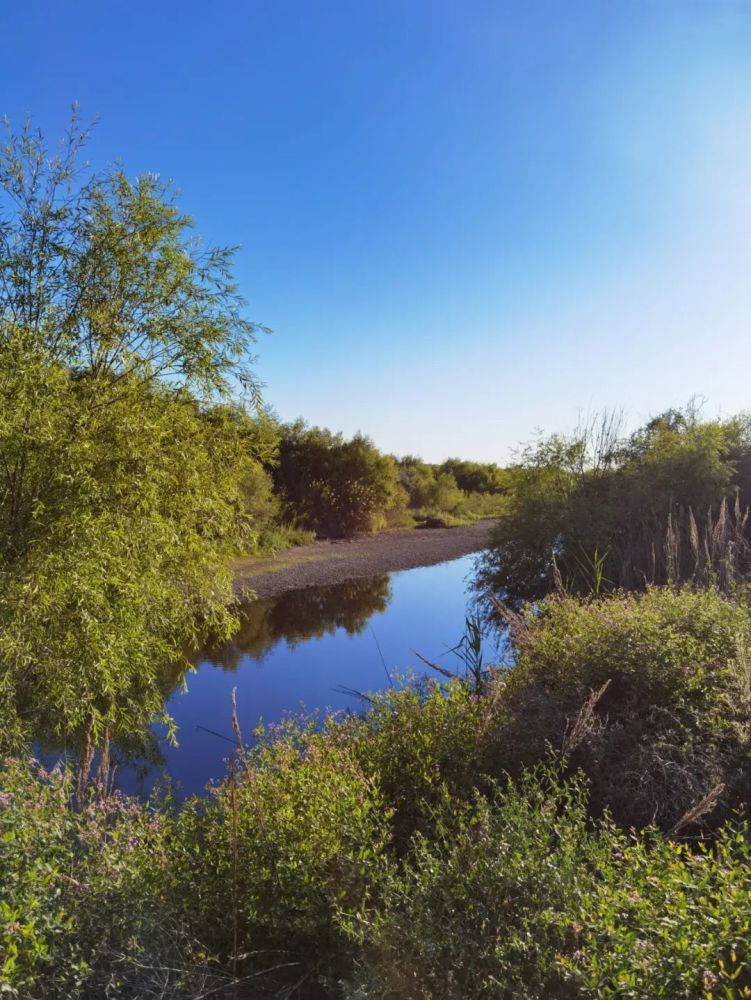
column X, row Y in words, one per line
column 293, row 617
column 299, row 615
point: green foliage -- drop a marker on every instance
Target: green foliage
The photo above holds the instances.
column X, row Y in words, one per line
column 481, row 909
column 121, row 494
column 277, row 535
column 122, row 560
column 298, row 837
column 657, row 648
column 335, row 487
column 520, row 896
column 648, row 506
column 372, row 857
column 102, row 272
column 476, row 477
column 672, row 723
column 456, row 492
column 82, row 904
column 666, row 920
column 416, row 740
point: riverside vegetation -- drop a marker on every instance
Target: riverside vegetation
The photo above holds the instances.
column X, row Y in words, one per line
column 567, row 825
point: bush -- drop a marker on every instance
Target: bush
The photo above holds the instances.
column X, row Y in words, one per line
column 295, row 841
column 82, row 905
column 520, row 897
column 415, row 742
column 332, row 486
column 621, row 513
column 370, row 857
column 479, row 910
column 665, row 920
column 673, row 722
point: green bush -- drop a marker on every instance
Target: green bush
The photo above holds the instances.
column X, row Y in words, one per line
column 332, row 486
column 666, row 921
column 83, row 910
column 520, row 897
column 674, row 720
column 478, row 910
column 620, row 512
column 456, row 491
column 296, row 841
column 362, row 859
column 415, row 741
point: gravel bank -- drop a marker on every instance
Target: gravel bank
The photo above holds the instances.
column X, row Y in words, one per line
column 337, row 561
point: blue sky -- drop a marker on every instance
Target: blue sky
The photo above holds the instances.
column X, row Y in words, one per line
column 462, row 221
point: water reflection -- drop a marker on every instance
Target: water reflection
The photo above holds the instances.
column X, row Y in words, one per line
column 301, row 615
column 304, row 649
column 307, row 648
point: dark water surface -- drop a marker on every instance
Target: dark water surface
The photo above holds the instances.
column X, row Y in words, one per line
column 302, row 649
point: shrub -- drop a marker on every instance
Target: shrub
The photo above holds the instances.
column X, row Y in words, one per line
column 416, row 741
column 297, row 838
column 478, row 910
column 332, row 486
column 596, row 497
column 82, row 906
column 673, row 721
column 519, row 897
column 363, row 857
column 665, row 920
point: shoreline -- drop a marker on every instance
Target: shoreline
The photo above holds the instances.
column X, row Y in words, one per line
column 325, row 563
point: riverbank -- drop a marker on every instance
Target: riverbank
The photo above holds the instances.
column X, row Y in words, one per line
column 340, row 560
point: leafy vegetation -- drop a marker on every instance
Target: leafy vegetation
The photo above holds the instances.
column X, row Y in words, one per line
column 332, row 486
column 455, row 492
column 666, row 504
column 123, row 487
column 436, row 846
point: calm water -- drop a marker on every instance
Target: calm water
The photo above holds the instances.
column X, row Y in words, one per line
column 303, row 649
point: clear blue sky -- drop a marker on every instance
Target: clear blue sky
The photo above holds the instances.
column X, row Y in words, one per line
column 462, row 220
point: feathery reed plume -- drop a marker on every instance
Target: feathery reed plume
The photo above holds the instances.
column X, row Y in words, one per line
column 583, row 723
column 514, row 622
column 672, row 551
column 693, row 536
column 557, row 578
column 236, row 721
column 703, row 806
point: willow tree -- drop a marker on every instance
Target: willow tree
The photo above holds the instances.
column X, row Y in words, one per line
column 119, row 496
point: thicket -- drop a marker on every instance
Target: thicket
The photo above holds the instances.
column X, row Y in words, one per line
column 336, row 487
column 454, row 841
column 455, row 492
column 125, row 479
column 668, row 503
column 333, row 486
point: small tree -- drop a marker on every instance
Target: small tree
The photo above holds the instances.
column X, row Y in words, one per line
column 334, row 486
column 119, row 495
